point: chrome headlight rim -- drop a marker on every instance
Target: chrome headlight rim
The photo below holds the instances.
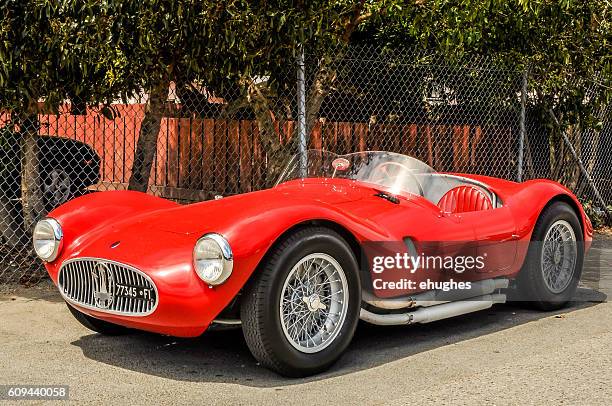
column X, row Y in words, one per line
column 58, row 238
column 227, row 258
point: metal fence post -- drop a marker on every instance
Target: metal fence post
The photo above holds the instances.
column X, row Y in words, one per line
column 301, row 100
column 522, row 131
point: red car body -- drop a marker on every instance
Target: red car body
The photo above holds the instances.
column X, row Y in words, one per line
column 157, row 236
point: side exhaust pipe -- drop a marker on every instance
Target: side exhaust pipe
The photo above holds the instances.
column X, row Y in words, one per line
column 434, row 313
column 437, row 297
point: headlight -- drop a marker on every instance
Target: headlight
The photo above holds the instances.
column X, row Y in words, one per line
column 47, row 239
column 213, row 259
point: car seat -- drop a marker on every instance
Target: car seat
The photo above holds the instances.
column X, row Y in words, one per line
column 465, row 198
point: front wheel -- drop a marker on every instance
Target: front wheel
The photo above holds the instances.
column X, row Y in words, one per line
column 300, row 313
column 553, row 266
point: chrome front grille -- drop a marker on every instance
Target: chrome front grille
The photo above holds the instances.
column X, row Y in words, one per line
column 107, row 286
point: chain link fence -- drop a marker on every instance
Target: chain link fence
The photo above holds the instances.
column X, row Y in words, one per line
column 580, row 158
column 468, row 117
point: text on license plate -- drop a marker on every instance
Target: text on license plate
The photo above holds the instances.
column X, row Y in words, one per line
column 135, row 292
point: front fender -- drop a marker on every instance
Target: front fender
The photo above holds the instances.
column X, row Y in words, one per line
column 88, row 213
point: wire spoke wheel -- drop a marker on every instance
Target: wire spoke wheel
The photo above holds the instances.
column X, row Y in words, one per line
column 559, row 255
column 300, row 313
column 314, row 302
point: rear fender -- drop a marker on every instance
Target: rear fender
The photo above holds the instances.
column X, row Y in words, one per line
column 535, row 195
column 528, row 203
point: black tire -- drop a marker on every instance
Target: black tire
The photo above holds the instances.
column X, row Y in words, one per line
column 531, row 289
column 260, row 307
column 97, row 325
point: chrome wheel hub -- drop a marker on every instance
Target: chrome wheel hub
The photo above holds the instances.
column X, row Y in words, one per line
column 314, row 302
column 559, row 253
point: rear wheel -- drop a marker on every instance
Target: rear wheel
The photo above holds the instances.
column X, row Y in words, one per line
column 553, row 266
column 300, row 313
column 97, row 325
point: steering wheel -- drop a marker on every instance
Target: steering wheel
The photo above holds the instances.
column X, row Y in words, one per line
column 386, row 171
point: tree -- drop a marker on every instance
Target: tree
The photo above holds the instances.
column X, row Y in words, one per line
column 97, row 52
column 51, row 52
column 565, row 45
column 324, row 29
column 244, row 52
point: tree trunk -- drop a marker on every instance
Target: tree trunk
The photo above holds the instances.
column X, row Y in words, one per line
column 147, row 139
column 31, row 186
column 278, row 154
column 320, row 88
column 573, row 172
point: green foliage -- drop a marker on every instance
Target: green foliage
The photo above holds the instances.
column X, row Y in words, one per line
column 54, row 50
column 567, row 44
column 98, row 51
column 596, row 214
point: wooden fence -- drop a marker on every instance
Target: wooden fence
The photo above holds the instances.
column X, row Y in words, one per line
column 197, row 158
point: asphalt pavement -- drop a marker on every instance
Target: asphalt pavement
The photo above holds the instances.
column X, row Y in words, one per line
column 504, row 355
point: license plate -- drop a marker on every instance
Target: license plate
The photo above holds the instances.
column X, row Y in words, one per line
column 135, row 292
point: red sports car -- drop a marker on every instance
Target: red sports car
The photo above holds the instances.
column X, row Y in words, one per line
column 338, row 238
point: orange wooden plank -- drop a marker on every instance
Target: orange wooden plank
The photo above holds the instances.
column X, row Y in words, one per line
column 208, row 155
column 375, row 137
column 219, row 162
column 290, row 131
column 456, row 146
column 361, row 136
column 195, row 164
column 475, row 144
column 344, row 140
column 259, row 161
column 134, row 122
column 233, row 154
column 318, row 135
column 246, row 156
column 429, row 143
column 184, row 158
column 316, row 138
column 410, row 139
column 172, row 153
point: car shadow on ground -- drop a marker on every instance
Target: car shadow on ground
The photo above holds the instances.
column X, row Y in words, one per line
column 222, row 356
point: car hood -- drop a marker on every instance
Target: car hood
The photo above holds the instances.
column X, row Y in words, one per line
column 214, row 215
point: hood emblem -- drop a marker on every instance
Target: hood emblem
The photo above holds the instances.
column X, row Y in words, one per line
column 104, row 285
column 115, row 244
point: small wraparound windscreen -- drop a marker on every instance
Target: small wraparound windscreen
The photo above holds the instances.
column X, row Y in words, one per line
column 394, row 172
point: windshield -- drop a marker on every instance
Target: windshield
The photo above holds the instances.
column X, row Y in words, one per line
column 397, row 173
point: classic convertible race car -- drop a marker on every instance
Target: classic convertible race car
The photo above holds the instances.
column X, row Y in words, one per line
column 338, row 238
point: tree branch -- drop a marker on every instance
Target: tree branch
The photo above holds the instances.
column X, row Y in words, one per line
column 357, row 19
